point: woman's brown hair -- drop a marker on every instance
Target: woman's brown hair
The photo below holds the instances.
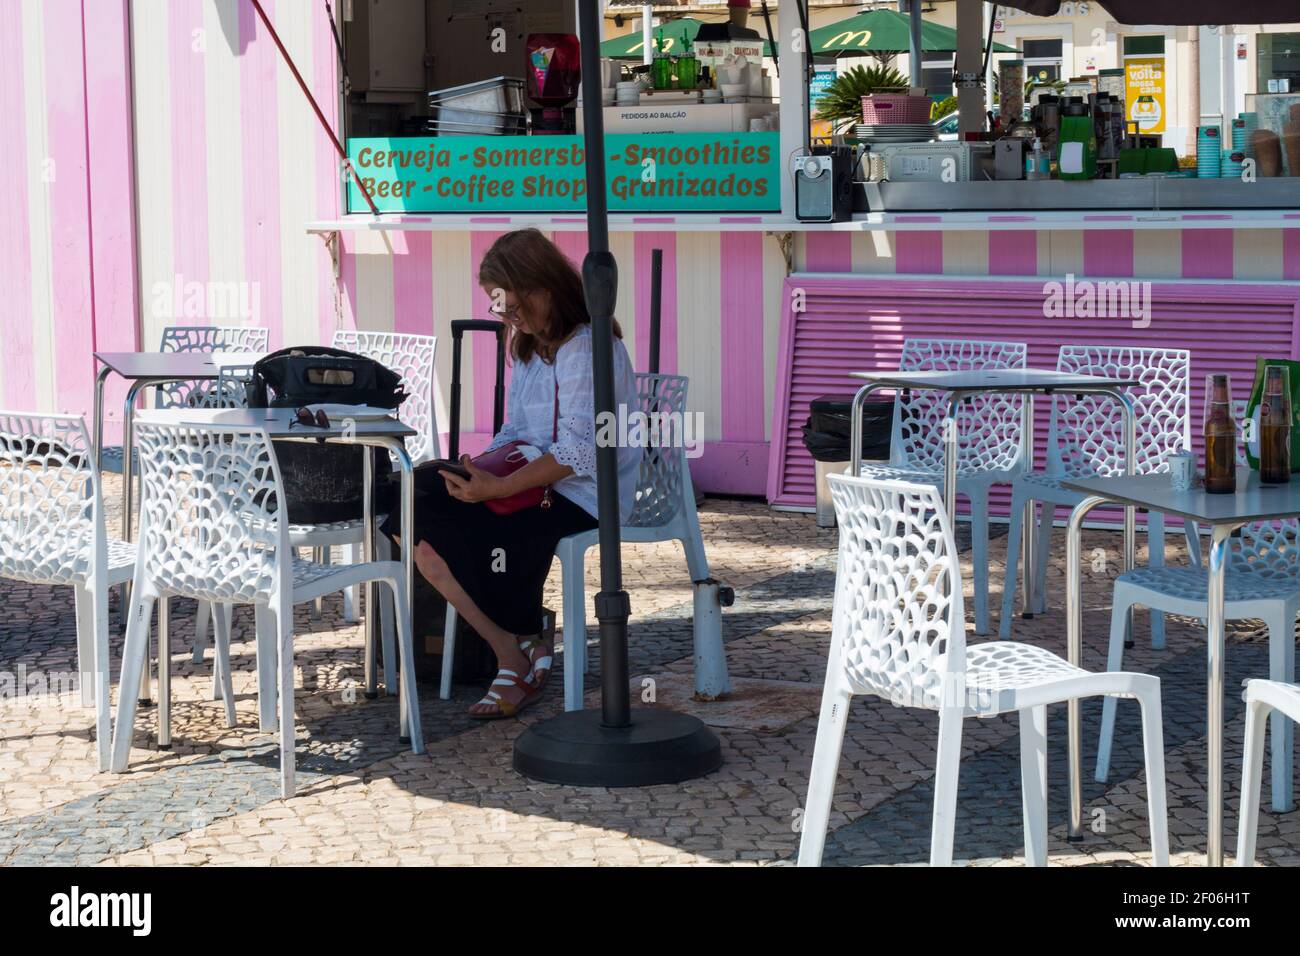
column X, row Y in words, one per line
column 525, row 262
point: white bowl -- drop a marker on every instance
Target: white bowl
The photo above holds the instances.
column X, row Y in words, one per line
column 730, row 90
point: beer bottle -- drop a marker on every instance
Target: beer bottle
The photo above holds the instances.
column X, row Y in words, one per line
column 1220, row 437
column 1275, row 427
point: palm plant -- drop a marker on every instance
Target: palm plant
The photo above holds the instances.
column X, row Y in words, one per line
column 841, row 104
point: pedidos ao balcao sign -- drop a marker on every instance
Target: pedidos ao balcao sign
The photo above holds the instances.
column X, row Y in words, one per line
column 680, row 172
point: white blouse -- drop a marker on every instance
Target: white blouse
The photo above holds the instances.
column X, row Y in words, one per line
column 530, row 417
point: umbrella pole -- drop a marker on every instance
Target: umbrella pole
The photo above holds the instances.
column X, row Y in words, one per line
column 615, row 746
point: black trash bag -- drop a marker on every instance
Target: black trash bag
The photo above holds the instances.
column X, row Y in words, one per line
column 323, row 481
column 827, row 431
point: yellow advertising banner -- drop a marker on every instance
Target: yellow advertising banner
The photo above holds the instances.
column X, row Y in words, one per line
column 1144, row 92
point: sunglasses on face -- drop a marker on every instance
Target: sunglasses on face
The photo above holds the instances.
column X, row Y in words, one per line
column 507, row 313
column 305, row 418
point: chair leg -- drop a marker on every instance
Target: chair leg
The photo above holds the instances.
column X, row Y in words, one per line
column 1153, row 755
column 133, row 664
column 409, row 704
column 201, row 615
column 1252, row 772
column 575, row 626
column 222, row 675
column 351, row 606
column 1281, row 667
column 85, row 612
column 98, row 595
column 448, row 651
column 1042, row 553
column 267, row 656
column 946, row 772
column 696, row 560
column 387, row 644
column 1033, row 783
column 317, row 607
column 1018, row 497
column 1114, row 661
column 283, row 634
column 1156, row 559
column 979, row 548
column 821, row 780
column 228, row 610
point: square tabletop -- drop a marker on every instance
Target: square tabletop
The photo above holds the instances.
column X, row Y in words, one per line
column 1252, row 501
column 190, row 366
column 994, row 380
column 280, row 423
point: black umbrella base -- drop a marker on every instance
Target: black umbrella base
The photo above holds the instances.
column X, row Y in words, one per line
column 661, row 746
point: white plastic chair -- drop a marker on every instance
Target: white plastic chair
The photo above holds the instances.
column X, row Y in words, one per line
column 988, row 445
column 192, row 338
column 1086, row 438
column 1261, row 582
column 209, row 531
column 1263, row 697
column 898, row 632
column 664, row 511
column 52, row 533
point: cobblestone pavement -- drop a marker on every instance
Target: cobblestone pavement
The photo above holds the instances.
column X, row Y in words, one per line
column 363, row 798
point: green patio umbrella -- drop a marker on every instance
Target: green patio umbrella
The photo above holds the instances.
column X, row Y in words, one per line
column 883, row 31
column 676, row 33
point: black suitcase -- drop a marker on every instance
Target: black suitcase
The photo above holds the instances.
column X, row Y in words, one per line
column 475, row 662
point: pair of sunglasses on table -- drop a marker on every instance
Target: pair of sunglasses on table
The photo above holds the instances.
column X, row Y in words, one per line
column 305, row 417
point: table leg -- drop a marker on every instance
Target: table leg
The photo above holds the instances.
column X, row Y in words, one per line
column 1074, row 650
column 1220, row 536
column 165, row 672
column 411, row 730
column 950, row 457
column 1130, row 513
column 97, row 424
column 128, row 443
column 367, row 556
column 855, row 427
column 1028, row 536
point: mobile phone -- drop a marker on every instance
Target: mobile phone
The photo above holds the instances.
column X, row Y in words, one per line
column 453, row 467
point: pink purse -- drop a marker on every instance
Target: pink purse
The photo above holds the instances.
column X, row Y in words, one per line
column 509, row 458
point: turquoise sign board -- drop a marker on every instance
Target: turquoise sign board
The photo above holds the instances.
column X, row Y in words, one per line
column 679, row 172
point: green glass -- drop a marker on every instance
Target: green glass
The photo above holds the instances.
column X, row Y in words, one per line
column 661, row 72
column 687, row 72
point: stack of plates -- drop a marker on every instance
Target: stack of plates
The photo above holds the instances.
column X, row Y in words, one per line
column 1209, row 152
column 894, row 132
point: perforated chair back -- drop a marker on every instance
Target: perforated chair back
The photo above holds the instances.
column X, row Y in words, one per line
column 411, row 357
column 661, row 399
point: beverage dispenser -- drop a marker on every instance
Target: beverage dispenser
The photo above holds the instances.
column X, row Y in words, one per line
column 554, row 75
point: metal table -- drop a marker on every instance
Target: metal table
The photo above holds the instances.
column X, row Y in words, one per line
column 142, row 370
column 387, row 433
column 962, row 385
column 1224, row 514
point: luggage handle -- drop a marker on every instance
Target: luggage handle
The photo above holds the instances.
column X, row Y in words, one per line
column 458, row 329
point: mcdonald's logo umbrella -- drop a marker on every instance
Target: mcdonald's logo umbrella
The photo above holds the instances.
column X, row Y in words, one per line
column 676, row 34
column 883, row 31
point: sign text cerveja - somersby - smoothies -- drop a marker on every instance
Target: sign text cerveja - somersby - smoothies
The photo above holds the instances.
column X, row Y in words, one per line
column 686, row 172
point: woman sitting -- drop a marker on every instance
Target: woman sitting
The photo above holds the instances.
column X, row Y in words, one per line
column 492, row 567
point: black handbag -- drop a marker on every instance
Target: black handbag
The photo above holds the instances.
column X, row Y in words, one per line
column 323, row 481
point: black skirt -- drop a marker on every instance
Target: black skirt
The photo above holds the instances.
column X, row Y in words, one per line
column 501, row 561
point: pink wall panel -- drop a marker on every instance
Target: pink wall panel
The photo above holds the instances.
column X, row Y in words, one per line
column 1291, row 253
column 328, row 169
column 259, row 119
column 742, row 363
column 1108, row 252
column 72, row 299
column 828, row 252
column 485, row 369
column 1207, row 253
column 413, row 282
column 919, row 253
column 1013, row 252
column 19, row 373
column 189, row 155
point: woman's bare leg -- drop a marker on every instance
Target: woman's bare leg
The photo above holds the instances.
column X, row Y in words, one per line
column 504, row 644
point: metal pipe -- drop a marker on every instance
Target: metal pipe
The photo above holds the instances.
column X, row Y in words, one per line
column 656, row 306
column 1220, row 536
column 1029, row 541
column 600, row 283
column 367, row 556
column 1074, row 650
